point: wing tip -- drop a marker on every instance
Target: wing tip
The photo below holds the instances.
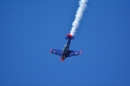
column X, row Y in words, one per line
column 80, row 52
column 50, row 50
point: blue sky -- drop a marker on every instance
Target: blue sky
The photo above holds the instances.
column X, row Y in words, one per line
column 30, row 28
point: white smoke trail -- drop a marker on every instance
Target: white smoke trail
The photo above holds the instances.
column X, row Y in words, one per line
column 78, row 16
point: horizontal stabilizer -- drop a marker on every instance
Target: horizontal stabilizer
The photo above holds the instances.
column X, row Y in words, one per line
column 69, row 37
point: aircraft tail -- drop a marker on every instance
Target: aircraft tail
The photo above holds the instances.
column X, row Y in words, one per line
column 69, row 37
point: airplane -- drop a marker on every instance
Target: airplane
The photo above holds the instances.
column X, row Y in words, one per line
column 65, row 53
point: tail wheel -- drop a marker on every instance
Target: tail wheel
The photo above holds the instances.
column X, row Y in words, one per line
column 62, row 59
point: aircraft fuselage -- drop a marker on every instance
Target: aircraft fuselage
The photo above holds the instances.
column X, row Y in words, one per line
column 66, row 48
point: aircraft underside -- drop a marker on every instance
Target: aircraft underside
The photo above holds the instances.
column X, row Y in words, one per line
column 66, row 52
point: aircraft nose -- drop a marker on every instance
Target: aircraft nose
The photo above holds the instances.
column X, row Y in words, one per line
column 69, row 35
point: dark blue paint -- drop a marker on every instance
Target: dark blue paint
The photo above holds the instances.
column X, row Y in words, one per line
column 66, row 52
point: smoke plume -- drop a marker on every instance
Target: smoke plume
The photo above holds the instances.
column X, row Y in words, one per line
column 78, row 16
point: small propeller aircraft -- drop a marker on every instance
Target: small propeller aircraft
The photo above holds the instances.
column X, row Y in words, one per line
column 66, row 52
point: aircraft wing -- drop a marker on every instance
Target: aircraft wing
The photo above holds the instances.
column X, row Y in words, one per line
column 56, row 52
column 73, row 53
